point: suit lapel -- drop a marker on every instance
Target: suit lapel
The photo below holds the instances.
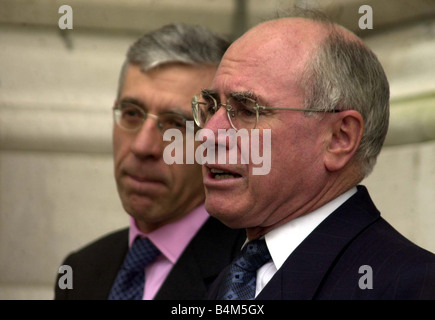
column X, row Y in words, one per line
column 184, row 281
column 106, row 272
column 304, row 270
column 96, row 266
column 206, row 255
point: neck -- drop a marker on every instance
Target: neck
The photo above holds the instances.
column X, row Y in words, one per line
column 334, row 188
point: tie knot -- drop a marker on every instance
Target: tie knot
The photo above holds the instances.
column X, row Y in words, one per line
column 254, row 255
column 141, row 253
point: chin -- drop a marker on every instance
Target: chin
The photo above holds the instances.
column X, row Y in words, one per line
column 231, row 216
column 140, row 210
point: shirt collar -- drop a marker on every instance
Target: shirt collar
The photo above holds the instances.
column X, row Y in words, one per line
column 171, row 239
column 283, row 240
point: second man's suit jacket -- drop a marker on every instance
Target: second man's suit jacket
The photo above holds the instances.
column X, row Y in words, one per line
column 96, row 265
column 352, row 254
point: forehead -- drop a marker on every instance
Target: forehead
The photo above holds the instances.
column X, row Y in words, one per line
column 252, row 71
column 167, row 86
column 267, row 58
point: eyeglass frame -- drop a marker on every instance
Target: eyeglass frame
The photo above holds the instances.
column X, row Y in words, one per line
column 117, row 114
column 195, row 109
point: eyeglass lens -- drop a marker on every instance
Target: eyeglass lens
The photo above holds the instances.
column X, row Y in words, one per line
column 241, row 111
column 131, row 117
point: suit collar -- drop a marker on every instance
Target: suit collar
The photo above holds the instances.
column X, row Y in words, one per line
column 303, row 271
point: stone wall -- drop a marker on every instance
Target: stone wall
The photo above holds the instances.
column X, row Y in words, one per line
column 57, row 190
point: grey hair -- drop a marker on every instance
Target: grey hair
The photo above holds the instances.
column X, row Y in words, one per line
column 175, row 43
column 346, row 75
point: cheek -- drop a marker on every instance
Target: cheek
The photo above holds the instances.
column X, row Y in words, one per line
column 121, row 147
column 290, row 157
column 297, row 160
column 187, row 177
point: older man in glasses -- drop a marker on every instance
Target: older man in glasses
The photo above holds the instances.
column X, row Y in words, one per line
column 313, row 232
column 173, row 249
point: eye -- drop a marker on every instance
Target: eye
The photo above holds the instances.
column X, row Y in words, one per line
column 130, row 112
column 176, row 123
column 244, row 107
column 173, row 122
column 209, row 104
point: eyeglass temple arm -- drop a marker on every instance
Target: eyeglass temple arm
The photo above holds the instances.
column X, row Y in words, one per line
column 298, row 109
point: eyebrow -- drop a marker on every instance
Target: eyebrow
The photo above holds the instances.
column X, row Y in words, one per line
column 236, row 94
column 177, row 111
column 132, row 101
column 244, row 94
column 213, row 93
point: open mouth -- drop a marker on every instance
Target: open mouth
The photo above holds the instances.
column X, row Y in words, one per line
column 221, row 174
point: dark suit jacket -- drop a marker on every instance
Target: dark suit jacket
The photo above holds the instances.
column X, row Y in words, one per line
column 326, row 265
column 96, row 265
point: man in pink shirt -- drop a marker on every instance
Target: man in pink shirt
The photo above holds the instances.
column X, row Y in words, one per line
column 186, row 247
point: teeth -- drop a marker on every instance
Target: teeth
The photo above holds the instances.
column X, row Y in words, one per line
column 224, row 176
column 216, row 171
column 220, row 174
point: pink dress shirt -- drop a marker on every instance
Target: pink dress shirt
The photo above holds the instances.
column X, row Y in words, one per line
column 171, row 240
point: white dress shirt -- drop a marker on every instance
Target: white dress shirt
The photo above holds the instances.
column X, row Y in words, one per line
column 283, row 240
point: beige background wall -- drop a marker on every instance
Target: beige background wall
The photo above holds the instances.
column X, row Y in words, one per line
column 56, row 90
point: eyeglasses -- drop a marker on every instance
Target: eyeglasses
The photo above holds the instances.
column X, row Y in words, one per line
column 130, row 117
column 242, row 111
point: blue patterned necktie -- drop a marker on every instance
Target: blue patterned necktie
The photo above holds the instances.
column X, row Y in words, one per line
column 240, row 280
column 130, row 281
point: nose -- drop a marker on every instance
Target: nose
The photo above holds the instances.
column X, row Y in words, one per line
column 148, row 142
column 219, row 120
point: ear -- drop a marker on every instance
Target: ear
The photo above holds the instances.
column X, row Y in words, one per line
column 346, row 130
